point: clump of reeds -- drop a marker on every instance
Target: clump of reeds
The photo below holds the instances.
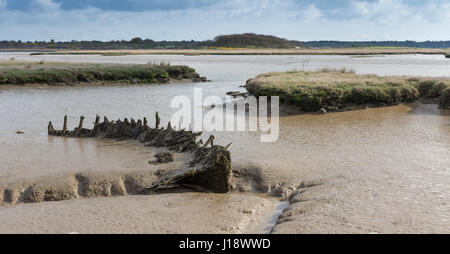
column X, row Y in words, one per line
column 445, row 98
column 431, row 88
column 341, row 70
column 161, row 63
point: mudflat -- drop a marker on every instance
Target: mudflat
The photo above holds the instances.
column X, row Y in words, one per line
column 187, row 213
column 382, row 170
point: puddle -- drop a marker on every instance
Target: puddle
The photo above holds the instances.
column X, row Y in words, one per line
column 268, row 221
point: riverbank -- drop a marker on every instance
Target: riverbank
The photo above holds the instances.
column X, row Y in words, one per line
column 340, row 90
column 170, row 213
column 244, row 51
column 28, row 73
column 176, row 179
column 375, row 170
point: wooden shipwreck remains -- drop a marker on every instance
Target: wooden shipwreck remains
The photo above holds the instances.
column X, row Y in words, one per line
column 209, row 170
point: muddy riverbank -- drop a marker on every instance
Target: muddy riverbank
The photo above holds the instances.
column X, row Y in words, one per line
column 330, row 90
column 372, row 170
column 171, row 213
column 34, row 73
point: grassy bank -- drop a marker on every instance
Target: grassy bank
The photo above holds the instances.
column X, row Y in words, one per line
column 21, row 73
column 338, row 90
column 255, row 51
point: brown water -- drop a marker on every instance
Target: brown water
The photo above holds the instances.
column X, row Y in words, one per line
column 392, row 164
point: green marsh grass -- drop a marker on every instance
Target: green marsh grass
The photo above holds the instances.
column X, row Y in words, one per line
column 337, row 90
column 21, row 73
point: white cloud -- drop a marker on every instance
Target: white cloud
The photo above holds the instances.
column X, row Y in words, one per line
column 379, row 20
column 311, row 14
column 47, row 5
column 383, row 11
column 435, row 12
column 391, row 11
column 361, row 8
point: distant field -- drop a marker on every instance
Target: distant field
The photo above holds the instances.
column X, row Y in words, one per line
column 240, row 51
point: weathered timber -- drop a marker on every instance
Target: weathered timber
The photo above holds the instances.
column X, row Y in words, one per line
column 211, row 165
column 65, row 125
column 162, row 158
column 158, row 120
column 211, row 169
column 235, row 94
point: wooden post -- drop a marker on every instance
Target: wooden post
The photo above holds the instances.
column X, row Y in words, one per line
column 97, row 120
column 80, row 125
column 65, row 125
column 210, row 141
column 145, row 121
column 158, row 120
column 50, row 128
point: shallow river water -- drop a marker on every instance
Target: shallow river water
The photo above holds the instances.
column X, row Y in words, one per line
column 392, row 165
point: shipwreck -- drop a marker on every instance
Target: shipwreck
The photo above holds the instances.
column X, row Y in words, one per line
column 210, row 169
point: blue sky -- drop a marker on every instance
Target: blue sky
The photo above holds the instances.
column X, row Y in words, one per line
column 204, row 19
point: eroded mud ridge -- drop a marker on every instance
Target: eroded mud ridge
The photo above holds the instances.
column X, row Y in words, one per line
column 209, row 170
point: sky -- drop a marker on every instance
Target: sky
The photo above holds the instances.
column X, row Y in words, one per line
column 304, row 20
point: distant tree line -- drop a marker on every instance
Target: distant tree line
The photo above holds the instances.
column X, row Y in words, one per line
column 236, row 41
column 354, row 44
column 135, row 43
column 250, row 40
column 247, row 40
